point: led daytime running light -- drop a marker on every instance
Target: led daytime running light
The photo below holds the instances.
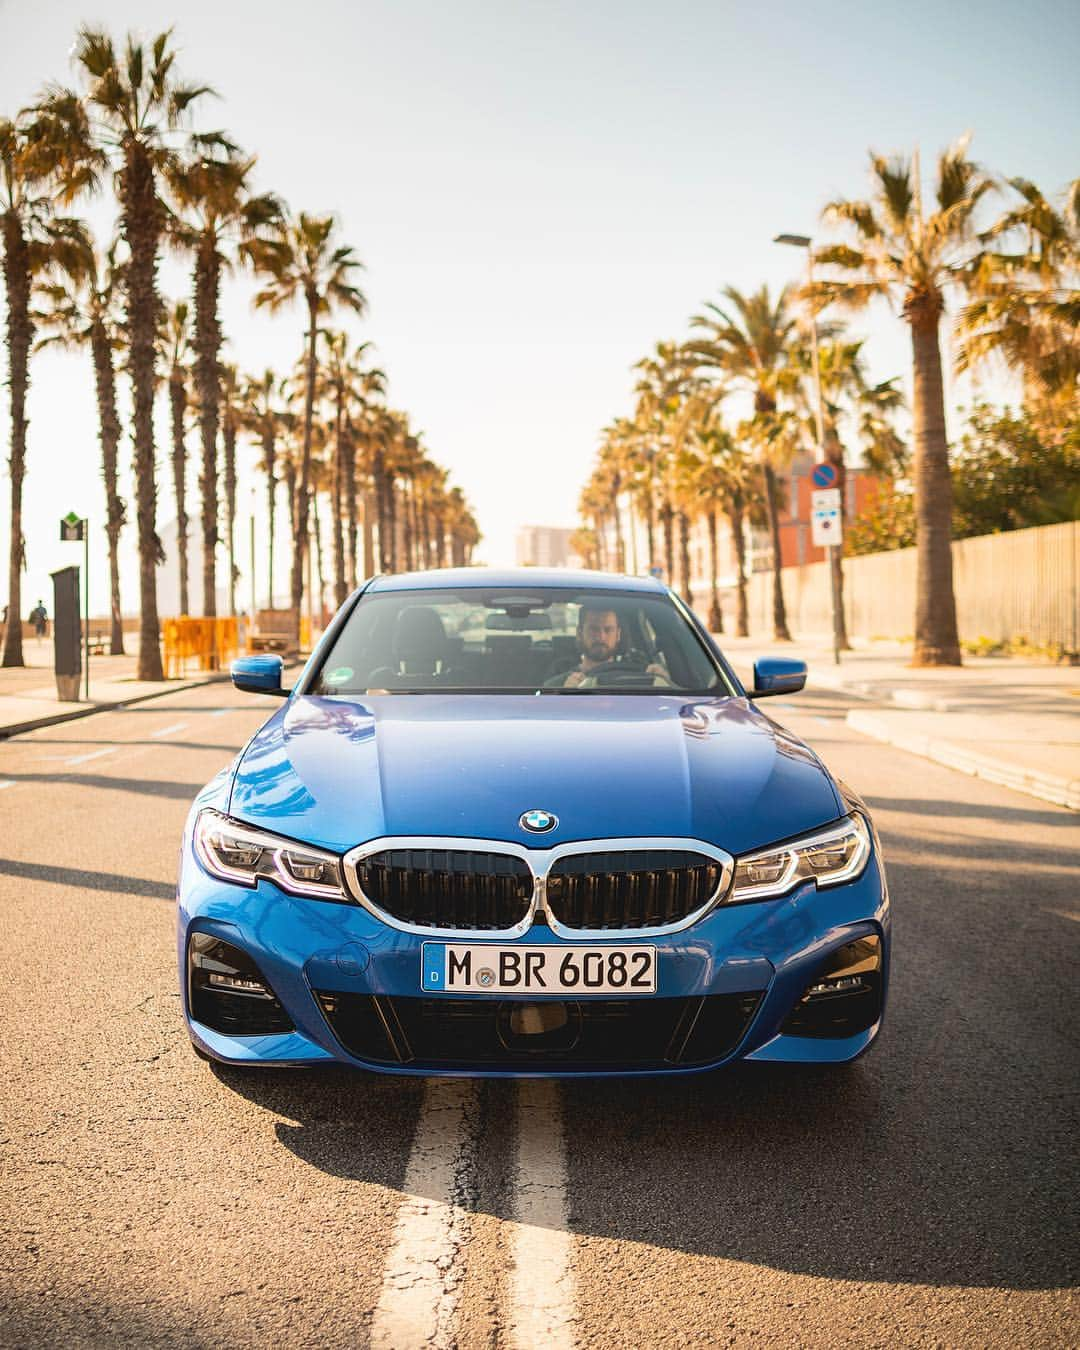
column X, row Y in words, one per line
column 242, row 855
column 828, row 858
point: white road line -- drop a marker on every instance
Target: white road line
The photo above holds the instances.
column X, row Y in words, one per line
column 423, row 1268
column 169, row 730
column 542, row 1287
column 7, row 782
column 220, row 712
column 94, row 754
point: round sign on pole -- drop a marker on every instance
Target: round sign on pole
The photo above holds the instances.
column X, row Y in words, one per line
column 823, row 475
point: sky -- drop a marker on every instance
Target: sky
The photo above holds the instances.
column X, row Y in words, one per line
column 540, row 192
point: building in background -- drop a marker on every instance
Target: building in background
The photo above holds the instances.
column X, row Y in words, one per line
column 545, row 546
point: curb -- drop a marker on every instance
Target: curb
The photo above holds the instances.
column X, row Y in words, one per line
column 17, row 728
column 1047, row 786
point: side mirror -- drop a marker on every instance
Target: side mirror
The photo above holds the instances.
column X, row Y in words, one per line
column 778, row 675
column 258, row 675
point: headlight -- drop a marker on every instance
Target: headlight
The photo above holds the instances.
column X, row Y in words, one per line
column 242, row 854
column 827, row 857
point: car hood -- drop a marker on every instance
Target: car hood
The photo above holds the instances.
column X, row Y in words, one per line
column 337, row 772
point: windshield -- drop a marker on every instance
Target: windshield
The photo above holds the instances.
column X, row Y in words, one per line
column 556, row 641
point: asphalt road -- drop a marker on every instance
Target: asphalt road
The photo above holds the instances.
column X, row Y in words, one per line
column 924, row 1196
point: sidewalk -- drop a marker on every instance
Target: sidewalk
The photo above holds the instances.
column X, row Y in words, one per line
column 28, row 693
column 1007, row 719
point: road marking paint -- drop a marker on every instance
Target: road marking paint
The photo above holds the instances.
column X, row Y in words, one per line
column 823, row 720
column 542, row 1283
column 6, row 782
column 220, row 712
column 169, row 730
column 422, row 1278
column 94, row 754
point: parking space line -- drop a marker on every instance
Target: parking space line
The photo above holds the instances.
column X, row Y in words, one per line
column 169, row 731
column 422, row 1277
column 94, row 754
column 542, row 1288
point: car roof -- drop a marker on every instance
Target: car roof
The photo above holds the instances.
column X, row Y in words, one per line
column 461, row 578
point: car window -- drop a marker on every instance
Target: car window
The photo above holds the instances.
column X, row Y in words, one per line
column 551, row 640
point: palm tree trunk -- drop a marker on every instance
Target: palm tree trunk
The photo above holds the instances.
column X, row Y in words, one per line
column 228, row 438
column 178, row 408
column 109, row 436
column 684, row 557
column 408, row 524
column 296, row 590
column 369, row 532
column 320, row 608
column 289, row 477
column 936, row 638
column 20, row 334
column 735, row 516
column 716, row 614
column 772, row 507
column 337, row 505
column 141, row 226
column 620, row 543
column 351, row 522
column 667, row 519
column 834, row 454
column 269, row 447
column 650, row 530
column 208, row 386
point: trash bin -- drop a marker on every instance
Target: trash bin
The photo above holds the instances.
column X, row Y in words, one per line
column 67, row 633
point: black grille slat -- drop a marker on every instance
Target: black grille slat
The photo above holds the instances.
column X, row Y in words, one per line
column 646, row 1033
column 646, row 888
column 445, row 888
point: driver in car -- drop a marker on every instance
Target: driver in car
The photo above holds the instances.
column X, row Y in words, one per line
column 599, row 638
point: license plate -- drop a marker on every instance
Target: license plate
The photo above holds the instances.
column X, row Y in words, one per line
column 486, row 969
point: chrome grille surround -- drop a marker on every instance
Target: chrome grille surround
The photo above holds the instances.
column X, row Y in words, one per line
column 539, row 862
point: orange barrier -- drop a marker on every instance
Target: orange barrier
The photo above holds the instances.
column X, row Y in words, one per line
column 208, row 643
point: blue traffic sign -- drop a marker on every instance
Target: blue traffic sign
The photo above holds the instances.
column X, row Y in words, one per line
column 823, row 475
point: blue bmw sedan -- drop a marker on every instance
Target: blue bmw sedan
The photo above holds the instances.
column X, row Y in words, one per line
column 527, row 823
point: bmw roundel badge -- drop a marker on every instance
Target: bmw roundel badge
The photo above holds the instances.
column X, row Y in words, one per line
column 538, row 822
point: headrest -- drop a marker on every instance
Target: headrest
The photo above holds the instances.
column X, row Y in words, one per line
column 419, row 635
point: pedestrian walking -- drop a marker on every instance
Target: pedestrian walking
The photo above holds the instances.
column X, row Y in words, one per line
column 40, row 619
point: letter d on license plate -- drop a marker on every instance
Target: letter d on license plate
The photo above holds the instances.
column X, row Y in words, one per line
column 486, row 969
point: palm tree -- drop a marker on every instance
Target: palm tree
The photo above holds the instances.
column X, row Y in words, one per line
column 176, row 349
column 913, row 258
column 136, row 101
column 750, row 343
column 262, row 418
column 45, row 161
column 80, row 310
column 216, row 217
column 1024, row 302
column 304, row 263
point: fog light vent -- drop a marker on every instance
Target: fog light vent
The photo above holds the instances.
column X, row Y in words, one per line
column 229, row 993
column 845, row 995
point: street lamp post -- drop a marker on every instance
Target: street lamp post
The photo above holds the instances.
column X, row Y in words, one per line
column 832, row 550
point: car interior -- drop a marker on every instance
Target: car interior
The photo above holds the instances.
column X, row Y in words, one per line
column 410, row 641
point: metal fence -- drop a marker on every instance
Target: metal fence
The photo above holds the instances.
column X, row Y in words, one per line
column 1023, row 584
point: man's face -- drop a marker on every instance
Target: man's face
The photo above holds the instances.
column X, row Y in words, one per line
column 598, row 635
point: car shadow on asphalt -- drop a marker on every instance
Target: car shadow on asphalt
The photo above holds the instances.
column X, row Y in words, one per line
column 863, row 1173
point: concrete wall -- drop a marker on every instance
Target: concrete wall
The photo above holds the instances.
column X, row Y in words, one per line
column 1020, row 584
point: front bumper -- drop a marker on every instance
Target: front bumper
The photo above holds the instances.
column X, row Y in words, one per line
column 351, row 987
